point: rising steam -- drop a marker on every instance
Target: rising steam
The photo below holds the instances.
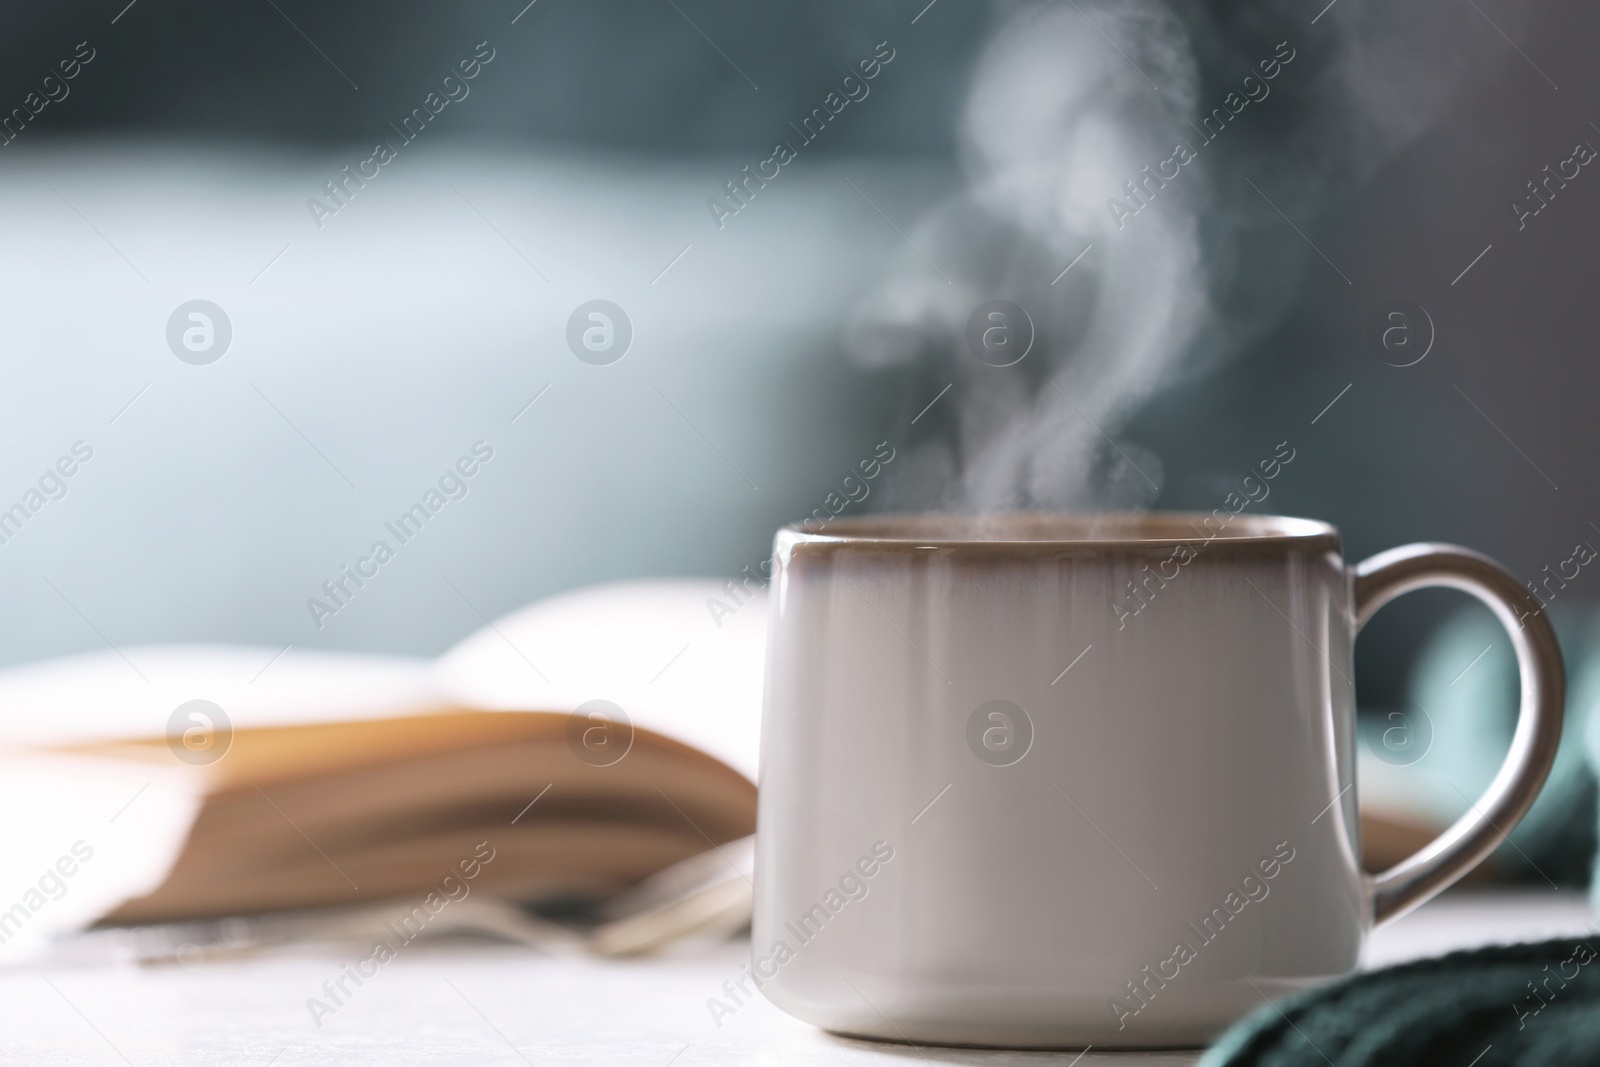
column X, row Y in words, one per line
column 1071, row 101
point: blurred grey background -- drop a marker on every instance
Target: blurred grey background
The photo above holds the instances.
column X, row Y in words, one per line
column 369, row 354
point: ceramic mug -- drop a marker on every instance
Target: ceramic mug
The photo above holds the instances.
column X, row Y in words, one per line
column 1052, row 781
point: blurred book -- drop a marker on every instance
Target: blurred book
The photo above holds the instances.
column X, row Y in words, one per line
column 1393, row 833
column 346, row 812
column 568, row 751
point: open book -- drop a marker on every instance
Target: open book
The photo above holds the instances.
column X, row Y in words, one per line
column 569, row 750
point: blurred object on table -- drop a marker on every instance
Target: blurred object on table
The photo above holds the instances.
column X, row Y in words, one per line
column 705, row 896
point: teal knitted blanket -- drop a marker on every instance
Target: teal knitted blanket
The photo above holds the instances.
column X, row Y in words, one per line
column 1515, row 1004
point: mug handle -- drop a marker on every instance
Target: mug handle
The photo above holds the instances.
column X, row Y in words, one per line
column 1469, row 841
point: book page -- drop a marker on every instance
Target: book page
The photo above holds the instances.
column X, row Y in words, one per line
column 681, row 657
column 133, row 692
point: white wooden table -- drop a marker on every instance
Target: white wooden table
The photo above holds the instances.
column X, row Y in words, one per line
column 485, row 1004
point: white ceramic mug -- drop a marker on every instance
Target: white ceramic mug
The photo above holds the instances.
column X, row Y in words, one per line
column 1052, row 781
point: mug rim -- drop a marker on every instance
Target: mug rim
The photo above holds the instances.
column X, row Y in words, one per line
column 1068, row 531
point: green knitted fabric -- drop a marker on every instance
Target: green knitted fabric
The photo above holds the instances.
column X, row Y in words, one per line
column 1513, row 1004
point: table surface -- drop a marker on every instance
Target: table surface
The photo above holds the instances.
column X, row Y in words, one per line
column 483, row 1004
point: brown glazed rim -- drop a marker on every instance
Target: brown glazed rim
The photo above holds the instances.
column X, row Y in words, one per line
column 1058, row 532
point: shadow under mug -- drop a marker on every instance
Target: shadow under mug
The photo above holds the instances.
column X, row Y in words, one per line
column 1051, row 781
